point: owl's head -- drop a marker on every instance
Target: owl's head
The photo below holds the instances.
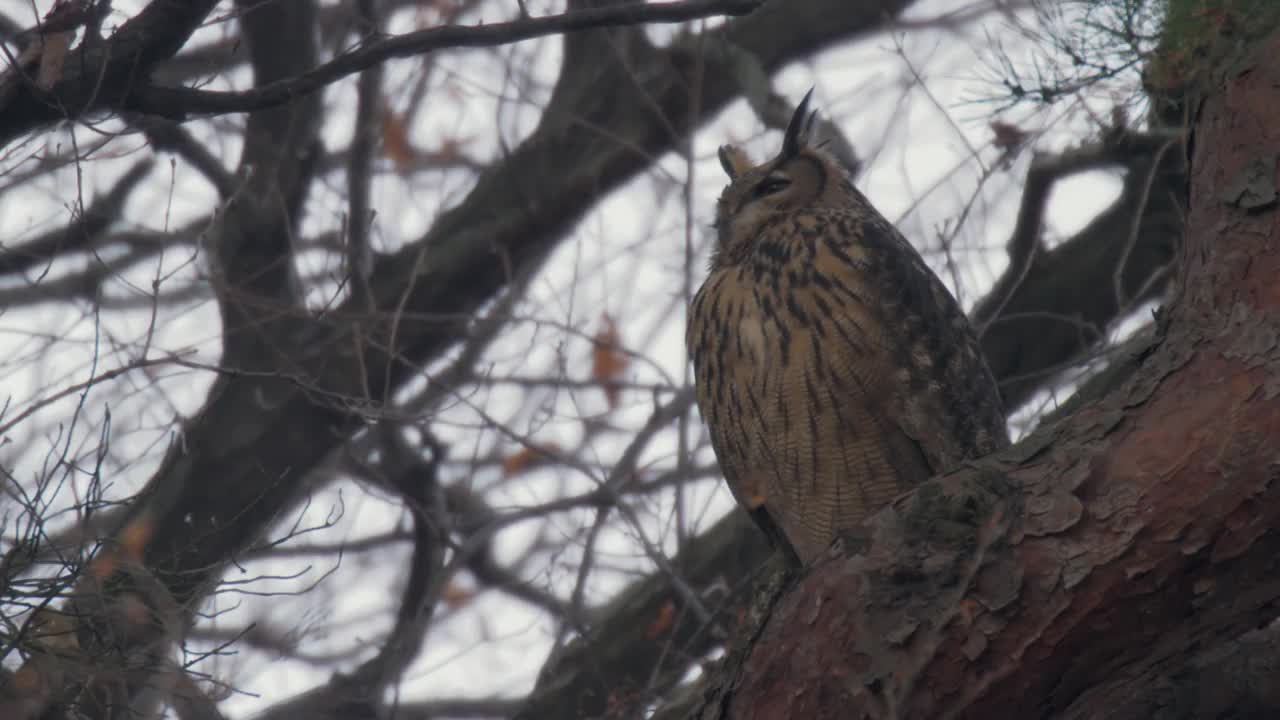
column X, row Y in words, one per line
column 800, row 177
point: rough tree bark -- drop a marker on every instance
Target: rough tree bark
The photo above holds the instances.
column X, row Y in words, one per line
column 1117, row 564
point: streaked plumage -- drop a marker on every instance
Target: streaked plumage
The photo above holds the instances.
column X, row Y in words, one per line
column 834, row 370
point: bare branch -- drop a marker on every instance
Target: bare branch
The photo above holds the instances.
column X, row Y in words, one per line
column 180, row 103
column 83, row 232
column 1142, row 228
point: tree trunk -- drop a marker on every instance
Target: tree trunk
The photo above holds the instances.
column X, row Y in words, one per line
column 1116, row 564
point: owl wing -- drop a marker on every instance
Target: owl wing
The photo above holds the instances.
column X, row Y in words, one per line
column 904, row 454
column 946, row 400
column 871, row 445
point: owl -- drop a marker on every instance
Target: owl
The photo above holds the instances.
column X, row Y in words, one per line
column 833, row 369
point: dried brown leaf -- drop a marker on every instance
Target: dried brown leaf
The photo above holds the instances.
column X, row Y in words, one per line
column 608, row 362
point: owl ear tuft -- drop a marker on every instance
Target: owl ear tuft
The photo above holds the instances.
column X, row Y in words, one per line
column 734, row 161
column 799, row 129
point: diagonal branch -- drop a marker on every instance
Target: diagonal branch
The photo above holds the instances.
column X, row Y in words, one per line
column 1052, row 295
column 83, row 232
column 180, row 103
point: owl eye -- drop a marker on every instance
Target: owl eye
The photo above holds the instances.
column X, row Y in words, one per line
column 771, row 185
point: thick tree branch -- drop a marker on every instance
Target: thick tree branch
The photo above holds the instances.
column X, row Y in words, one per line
column 1063, row 297
column 359, row 255
column 252, row 242
column 1118, row 149
column 360, row 692
column 1236, row 678
column 100, row 74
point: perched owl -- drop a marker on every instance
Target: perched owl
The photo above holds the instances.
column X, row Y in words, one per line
column 833, row 369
